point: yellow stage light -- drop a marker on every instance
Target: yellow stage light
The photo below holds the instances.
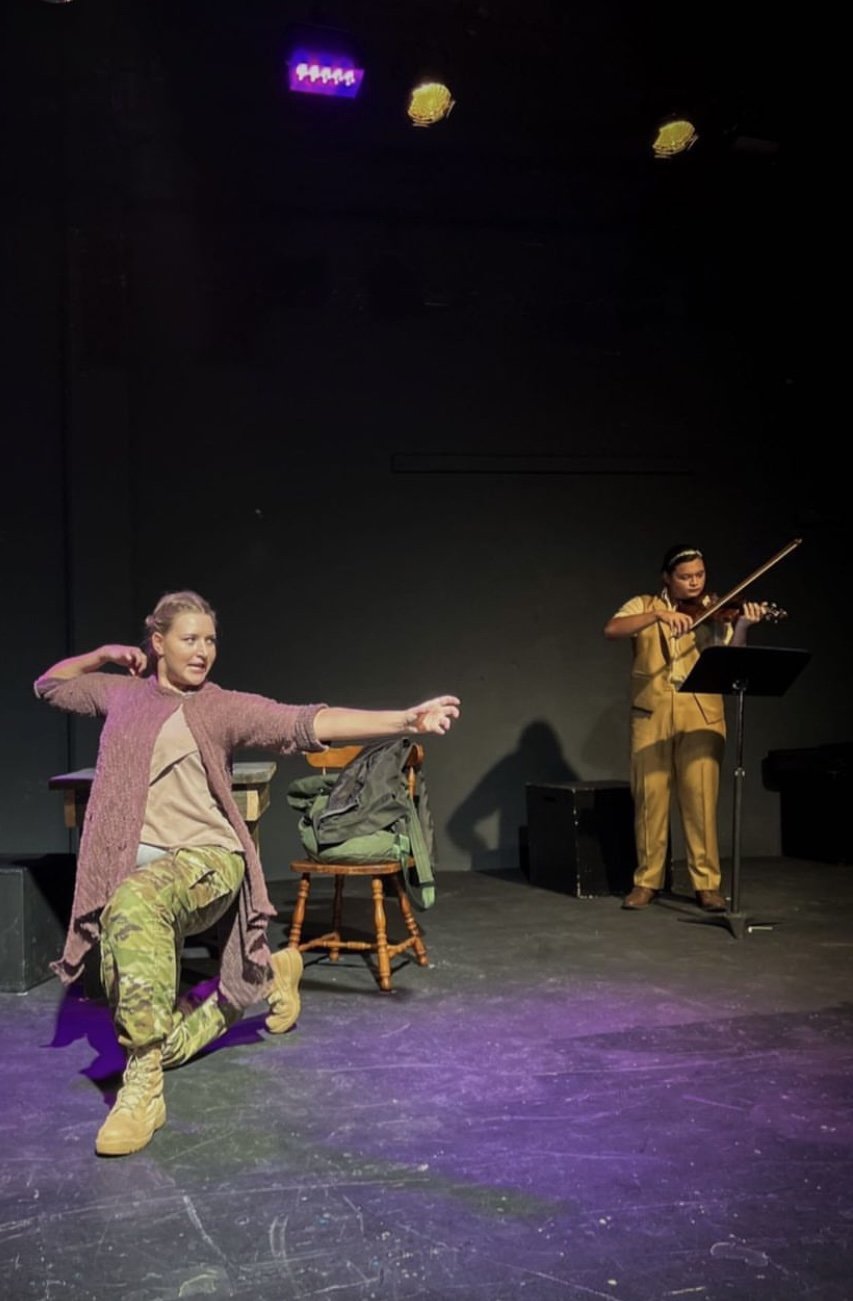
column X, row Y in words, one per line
column 429, row 103
column 674, row 137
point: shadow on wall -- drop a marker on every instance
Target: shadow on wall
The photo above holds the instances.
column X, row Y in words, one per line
column 607, row 744
column 538, row 757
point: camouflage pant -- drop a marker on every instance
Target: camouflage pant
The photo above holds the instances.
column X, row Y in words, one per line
column 143, row 928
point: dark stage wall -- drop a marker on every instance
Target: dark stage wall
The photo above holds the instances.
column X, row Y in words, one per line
column 416, row 413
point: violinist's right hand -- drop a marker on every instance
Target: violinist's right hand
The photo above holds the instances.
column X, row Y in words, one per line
column 677, row 622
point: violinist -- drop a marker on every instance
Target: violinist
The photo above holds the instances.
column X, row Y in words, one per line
column 677, row 739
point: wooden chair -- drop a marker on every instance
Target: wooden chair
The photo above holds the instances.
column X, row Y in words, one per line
column 379, row 948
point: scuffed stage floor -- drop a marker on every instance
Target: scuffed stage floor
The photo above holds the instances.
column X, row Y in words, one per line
column 572, row 1102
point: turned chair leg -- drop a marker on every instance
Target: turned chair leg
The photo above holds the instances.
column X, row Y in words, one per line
column 337, row 914
column 382, row 958
column 302, row 893
column 411, row 925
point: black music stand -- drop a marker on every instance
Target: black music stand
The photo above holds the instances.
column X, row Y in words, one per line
column 741, row 671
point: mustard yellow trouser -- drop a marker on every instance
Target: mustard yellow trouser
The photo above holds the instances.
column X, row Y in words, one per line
column 675, row 748
column 143, row 928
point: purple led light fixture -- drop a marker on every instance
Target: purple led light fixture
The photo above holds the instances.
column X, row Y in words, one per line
column 314, row 72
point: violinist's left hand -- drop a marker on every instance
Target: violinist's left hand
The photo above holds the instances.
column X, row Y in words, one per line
column 751, row 612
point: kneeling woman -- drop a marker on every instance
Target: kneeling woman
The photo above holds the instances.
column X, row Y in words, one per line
column 165, row 853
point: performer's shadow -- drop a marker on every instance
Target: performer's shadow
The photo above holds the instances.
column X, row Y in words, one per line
column 501, row 793
column 80, row 1016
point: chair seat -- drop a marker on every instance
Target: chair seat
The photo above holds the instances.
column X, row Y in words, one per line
column 346, row 869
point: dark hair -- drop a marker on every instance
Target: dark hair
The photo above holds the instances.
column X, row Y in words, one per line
column 676, row 555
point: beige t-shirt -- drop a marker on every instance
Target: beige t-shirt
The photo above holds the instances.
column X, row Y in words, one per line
column 182, row 811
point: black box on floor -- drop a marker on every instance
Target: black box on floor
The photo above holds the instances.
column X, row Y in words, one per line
column 35, row 905
column 816, row 789
column 580, row 837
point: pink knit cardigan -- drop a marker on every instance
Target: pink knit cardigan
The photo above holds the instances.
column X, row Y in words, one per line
column 221, row 722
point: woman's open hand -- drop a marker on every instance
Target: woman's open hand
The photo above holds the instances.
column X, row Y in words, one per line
column 434, row 715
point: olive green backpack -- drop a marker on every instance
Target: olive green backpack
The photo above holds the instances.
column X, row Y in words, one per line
column 365, row 814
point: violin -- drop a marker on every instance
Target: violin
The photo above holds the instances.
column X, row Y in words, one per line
column 713, row 608
column 728, row 607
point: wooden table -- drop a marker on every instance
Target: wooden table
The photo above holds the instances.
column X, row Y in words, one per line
column 250, row 785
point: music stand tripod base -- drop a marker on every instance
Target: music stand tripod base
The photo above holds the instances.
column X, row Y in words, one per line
column 739, row 923
column 740, row 671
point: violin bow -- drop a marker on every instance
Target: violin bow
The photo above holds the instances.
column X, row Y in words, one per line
column 736, row 591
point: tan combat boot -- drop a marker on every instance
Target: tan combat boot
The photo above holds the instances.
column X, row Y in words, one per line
column 139, row 1109
column 283, row 998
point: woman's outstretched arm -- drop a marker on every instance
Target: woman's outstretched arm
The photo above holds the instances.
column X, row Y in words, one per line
column 339, row 724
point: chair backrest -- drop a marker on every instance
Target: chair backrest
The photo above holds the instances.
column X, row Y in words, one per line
column 418, row 876
column 336, row 756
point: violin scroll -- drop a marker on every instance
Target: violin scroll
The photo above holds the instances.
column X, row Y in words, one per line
column 772, row 613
